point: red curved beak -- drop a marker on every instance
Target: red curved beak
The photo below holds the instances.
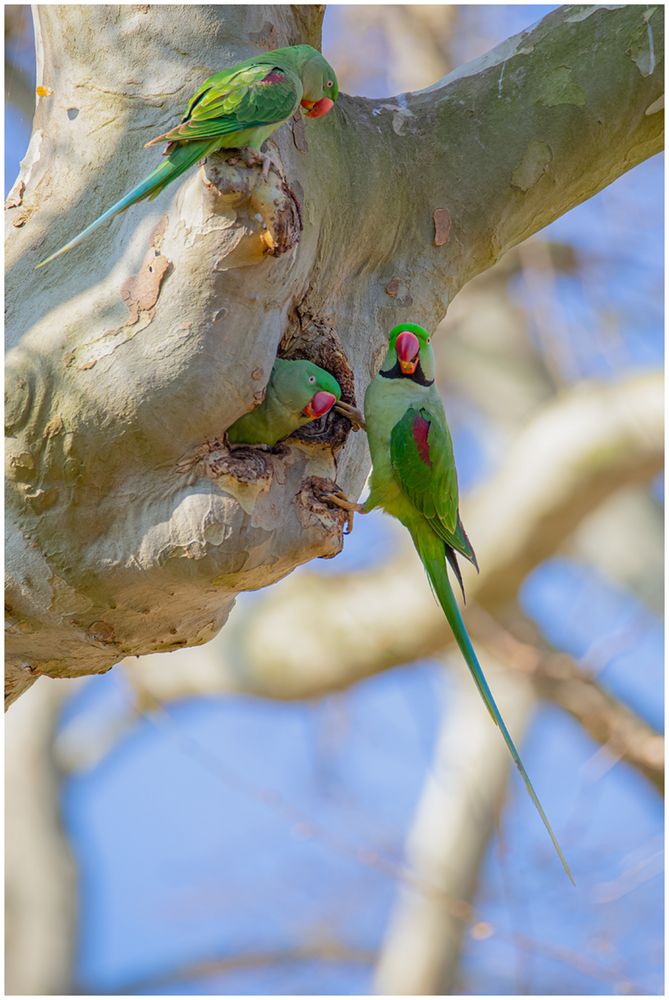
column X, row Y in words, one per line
column 407, row 349
column 319, row 404
column 316, row 109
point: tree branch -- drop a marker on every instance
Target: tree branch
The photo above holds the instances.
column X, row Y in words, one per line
column 559, row 679
column 506, row 144
column 139, row 347
column 326, row 952
column 41, row 890
column 450, row 834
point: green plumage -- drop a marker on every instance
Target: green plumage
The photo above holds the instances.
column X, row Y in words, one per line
column 238, row 101
column 415, row 480
column 291, row 388
column 236, row 108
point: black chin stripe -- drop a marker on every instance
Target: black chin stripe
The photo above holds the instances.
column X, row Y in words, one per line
column 418, row 376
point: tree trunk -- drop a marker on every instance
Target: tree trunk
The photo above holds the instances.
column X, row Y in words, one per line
column 137, row 350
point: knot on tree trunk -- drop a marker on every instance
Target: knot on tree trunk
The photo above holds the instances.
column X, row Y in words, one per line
column 313, row 510
column 253, row 196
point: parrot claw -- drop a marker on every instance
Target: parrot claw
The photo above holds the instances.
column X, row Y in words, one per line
column 339, row 499
column 351, row 413
column 254, row 158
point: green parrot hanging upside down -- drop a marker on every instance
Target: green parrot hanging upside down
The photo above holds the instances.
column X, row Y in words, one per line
column 414, row 479
column 237, row 108
column 297, row 392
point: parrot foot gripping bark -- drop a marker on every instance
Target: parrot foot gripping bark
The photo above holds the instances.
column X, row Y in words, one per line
column 339, row 499
column 353, row 414
column 253, row 158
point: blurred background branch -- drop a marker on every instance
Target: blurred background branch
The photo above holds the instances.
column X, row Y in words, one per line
column 41, row 885
column 457, row 815
column 19, row 87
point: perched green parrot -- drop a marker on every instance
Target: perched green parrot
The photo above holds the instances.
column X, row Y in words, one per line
column 297, row 392
column 237, row 108
column 415, row 480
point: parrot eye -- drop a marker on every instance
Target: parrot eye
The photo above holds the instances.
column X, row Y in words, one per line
column 312, row 379
column 329, row 84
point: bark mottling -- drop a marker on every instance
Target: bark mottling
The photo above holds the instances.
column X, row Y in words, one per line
column 163, row 334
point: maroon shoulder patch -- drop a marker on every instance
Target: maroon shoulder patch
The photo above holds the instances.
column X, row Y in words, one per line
column 420, row 429
column 274, row 76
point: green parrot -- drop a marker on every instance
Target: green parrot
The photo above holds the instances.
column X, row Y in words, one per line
column 297, row 392
column 415, row 480
column 237, row 108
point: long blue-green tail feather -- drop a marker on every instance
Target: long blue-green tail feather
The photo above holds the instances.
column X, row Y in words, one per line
column 431, row 551
column 179, row 160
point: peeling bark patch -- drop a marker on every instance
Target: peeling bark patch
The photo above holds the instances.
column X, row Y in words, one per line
column 89, row 355
column 22, row 467
column 533, row 165
column 158, row 232
column 642, row 49
column 587, row 11
column 15, row 196
column 40, row 500
column 559, row 87
column 140, row 293
column 101, row 631
column 397, row 290
column 656, row 106
column 442, row 226
column 54, row 427
column 401, row 113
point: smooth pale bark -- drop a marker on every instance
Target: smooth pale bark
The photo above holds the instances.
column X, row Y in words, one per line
column 139, row 347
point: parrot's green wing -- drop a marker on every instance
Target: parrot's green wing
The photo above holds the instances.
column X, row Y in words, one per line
column 231, row 102
column 421, row 454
